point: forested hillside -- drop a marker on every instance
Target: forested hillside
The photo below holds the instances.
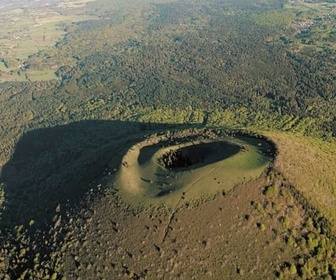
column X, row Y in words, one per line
column 201, row 55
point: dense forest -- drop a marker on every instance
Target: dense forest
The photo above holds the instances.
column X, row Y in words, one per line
column 202, row 56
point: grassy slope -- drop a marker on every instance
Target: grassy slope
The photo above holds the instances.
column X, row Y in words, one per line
column 141, row 183
column 309, row 165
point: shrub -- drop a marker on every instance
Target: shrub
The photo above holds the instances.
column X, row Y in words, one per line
column 261, row 226
column 285, row 221
column 271, row 190
column 292, row 269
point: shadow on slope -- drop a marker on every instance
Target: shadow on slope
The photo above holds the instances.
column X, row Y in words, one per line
column 56, row 166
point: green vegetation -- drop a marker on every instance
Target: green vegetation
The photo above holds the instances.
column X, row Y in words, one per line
column 165, row 168
column 83, row 82
column 30, row 29
column 311, row 172
column 274, row 18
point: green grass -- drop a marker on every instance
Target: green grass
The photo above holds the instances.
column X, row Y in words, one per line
column 307, row 161
column 319, row 35
column 241, row 118
column 229, row 161
column 45, row 75
column 309, row 164
column 274, row 18
column 30, row 31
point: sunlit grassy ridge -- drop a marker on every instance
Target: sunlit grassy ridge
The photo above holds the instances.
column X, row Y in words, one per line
column 309, row 164
column 236, row 118
column 203, row 166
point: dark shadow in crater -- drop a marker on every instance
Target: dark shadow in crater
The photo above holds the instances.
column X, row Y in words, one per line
column 148, row 152
column 198, row 155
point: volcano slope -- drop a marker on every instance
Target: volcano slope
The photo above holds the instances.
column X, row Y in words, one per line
column 242, row 218
column 192, row 227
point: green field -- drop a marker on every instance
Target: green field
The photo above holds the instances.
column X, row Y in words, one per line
column 313, row 26
column 32, row 30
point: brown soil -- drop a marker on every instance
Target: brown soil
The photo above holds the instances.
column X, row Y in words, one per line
column 218, row 239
